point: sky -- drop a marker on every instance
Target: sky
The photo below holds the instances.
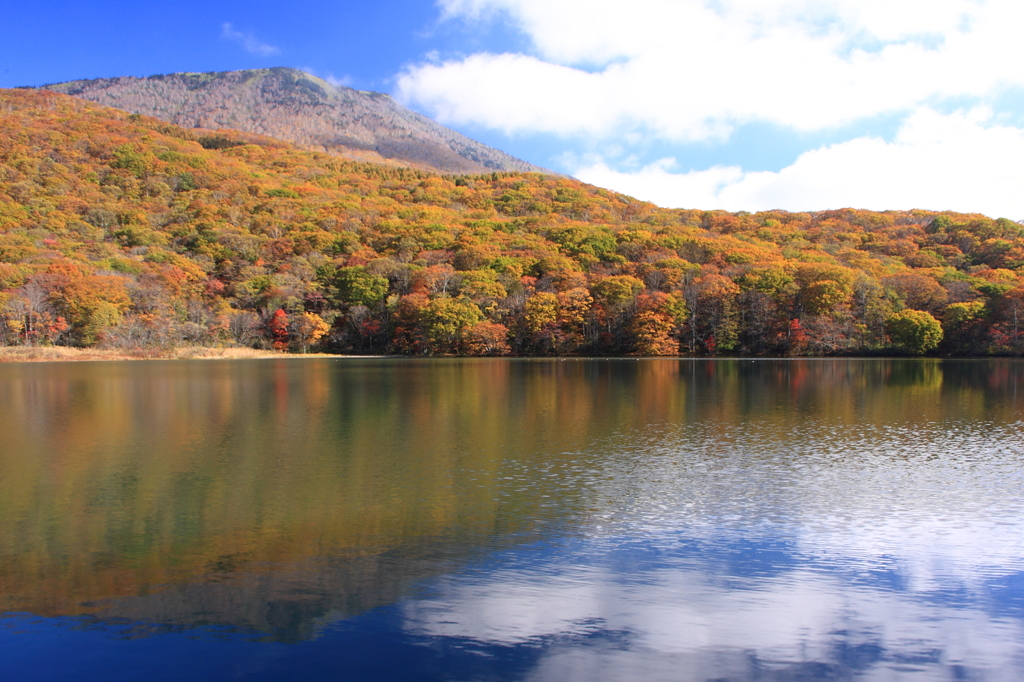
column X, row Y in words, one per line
column 712, row 104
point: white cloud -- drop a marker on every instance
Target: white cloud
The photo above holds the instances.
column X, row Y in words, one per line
column 584, row 30
column 626, row 78
column 688, row 70
column 248, row 41
column 578, row 100
column 345, row 81
column 957, row 162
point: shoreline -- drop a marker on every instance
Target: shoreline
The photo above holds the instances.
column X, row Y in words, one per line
column 69, row 354
column 17, row 354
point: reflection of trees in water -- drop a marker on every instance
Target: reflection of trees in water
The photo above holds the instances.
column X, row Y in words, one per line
column 291, row 601
column 128, row 477
column 123, row 478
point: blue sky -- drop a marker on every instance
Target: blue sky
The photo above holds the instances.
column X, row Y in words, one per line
column 47, row 41
column 736, row 104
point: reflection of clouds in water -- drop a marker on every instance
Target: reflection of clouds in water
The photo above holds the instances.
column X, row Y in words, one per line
column 685, row 624
column 937, row 503
column 928, row 556
column 893, row 543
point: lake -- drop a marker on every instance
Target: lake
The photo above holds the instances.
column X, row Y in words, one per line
column 543, row 520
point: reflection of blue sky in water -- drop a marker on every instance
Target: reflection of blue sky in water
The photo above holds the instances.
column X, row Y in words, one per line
column 600, row 609
column 898, row 554
column 739, row 553
column 733, row 611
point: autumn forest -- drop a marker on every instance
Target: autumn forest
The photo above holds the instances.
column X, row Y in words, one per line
column 122, row 231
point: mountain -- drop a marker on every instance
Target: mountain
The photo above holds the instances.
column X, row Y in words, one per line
column 292, row 105
column 128, row 232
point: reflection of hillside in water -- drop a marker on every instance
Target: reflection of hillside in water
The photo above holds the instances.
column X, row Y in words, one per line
column 273, row 495
column 123, row 478
column 288, row 601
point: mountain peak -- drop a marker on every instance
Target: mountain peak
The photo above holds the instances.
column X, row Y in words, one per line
column 293, row 105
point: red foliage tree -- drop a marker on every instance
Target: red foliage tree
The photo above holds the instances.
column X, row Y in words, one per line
column 279, row 330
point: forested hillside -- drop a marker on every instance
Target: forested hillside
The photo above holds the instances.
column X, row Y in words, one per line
column 292, row 105
column 124, row 231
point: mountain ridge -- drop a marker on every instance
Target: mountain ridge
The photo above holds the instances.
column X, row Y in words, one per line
column 301, row 108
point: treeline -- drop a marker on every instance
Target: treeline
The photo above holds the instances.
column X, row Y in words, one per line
column 122, row 231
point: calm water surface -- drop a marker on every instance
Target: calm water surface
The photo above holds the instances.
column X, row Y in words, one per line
column 535, row 520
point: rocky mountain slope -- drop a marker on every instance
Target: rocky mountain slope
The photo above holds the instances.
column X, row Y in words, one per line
column 295, row 106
